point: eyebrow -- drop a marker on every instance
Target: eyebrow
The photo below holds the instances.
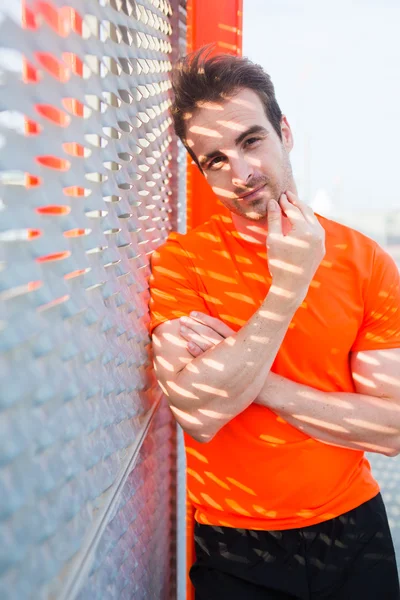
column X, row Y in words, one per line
column 238, row 140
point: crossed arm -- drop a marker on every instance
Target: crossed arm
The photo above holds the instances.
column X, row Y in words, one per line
column 366, row 420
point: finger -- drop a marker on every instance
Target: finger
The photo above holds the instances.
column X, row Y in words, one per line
column 215, row 324
column 202, row 330
column 274, row 215
column 191, row 336
column 306, row 210
column 292, row 211
column 194, row 349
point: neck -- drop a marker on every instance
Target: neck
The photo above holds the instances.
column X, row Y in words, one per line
column 257, row 231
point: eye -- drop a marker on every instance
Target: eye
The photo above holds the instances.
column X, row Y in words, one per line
column 252, row 140
column 216, row 162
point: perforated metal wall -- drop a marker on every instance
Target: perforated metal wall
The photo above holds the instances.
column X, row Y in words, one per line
column 89, row 186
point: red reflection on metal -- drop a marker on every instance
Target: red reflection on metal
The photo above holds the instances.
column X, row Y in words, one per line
column 75, row 273
column 55, row 209
column 55, row 18
column 34, row 233
column 74, row 63
column 74, row 191
column 72, row 233
column 32, row 180
column 53, row 162
column 53, row 257
column 53, row 114
column 73, row 106
column 59, row 70
column 73, row 149
column 34, row 285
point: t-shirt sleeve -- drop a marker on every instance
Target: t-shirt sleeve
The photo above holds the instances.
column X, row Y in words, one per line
column 381, row 325
column 174, row 284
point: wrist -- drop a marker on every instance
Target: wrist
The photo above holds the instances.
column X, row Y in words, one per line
column 287, row 298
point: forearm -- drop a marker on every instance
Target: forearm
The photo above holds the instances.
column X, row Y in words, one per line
column 216, row 386
column 356, row 421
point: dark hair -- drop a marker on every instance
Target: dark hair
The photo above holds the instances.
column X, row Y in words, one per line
column 199, row 77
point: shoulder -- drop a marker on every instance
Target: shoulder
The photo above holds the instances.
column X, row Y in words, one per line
column 353, row 243
column 193, row 243
column 352, row 250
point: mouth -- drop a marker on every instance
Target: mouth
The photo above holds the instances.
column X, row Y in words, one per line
column 252, row 194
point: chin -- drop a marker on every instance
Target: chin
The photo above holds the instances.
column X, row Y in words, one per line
column 255, row 216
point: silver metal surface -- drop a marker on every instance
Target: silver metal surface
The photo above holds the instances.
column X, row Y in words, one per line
column 87, row 188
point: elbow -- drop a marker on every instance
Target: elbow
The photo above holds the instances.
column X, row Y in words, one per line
column 392, row 453
column 200, row 435
column 395, row 450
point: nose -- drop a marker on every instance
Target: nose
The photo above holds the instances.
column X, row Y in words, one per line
column 241, row 171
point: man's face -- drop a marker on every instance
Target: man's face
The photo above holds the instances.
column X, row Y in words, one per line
column 242, row 156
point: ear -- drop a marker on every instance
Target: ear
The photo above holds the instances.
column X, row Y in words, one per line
column 287, row 137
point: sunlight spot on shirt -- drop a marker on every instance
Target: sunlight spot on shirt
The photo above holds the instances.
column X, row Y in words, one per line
column 168, row 272
column 193, row 497
column 305, row 514
column 237, row 508
column 195, row 475
column 217, row 480
column 209, row 236
column 241, row 486
column 221, row 277
column 241, row 297
column 196, row 454
column 210, row 501
column 210, row 299
column 266, row 513
column 243, row 260
column 273, row 440
column 256, row 277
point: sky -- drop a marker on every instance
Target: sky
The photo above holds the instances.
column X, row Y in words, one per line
column 336, row 70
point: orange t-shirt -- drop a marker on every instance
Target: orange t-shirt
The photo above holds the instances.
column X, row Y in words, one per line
column 259, row 472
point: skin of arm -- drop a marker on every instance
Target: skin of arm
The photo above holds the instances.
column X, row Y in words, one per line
column 207, row 391
column 368, row 419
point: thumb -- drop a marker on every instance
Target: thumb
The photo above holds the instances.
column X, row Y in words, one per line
column 274, row 215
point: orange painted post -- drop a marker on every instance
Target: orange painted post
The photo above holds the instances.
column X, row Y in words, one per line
column 220, row 23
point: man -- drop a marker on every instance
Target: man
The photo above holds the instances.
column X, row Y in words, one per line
column 276, row 337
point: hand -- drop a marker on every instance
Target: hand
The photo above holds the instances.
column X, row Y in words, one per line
column 293, row 258
column 203, row 332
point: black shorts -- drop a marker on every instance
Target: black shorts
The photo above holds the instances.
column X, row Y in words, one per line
column 350, row 557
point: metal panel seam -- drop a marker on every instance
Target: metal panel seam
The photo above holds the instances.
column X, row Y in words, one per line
column 79, row 574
